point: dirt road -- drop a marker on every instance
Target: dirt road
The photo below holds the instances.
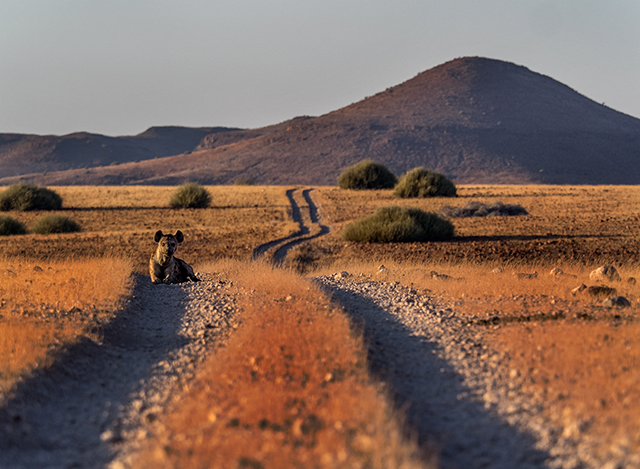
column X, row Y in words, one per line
column 304, row 212
column 100, row 398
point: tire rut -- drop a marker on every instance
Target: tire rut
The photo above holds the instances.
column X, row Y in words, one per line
column 309, row 227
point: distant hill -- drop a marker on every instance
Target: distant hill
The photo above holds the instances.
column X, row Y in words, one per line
column 21, row 153
column 474, row 119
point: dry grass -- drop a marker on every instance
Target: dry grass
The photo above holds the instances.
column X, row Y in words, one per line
column 47, row 304
column 579, row 225
column 122, row 220
column 291, row 389
column 588, row 374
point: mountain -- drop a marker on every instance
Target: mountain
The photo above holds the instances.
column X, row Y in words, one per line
column 48, row 153
column 477, row 120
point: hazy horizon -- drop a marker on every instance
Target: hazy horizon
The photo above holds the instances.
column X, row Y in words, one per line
column 119, row 67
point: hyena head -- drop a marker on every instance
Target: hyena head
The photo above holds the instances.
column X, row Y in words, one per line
column 168, row 244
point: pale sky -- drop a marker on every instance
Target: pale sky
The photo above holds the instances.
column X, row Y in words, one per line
column 117, row 67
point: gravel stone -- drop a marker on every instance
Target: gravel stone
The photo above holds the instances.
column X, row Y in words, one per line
column 461, row 398
column 100, row 399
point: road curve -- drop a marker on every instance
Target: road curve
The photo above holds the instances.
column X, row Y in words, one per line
column 309, row 227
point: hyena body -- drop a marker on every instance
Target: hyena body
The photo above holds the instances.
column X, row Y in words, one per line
column 164, row 267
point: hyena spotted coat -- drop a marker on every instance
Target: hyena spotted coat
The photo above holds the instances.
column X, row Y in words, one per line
column 164, row 267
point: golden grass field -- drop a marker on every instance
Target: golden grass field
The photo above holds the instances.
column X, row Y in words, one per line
column 582, row 358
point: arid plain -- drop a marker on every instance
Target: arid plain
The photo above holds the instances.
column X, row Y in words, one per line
column 580, row 357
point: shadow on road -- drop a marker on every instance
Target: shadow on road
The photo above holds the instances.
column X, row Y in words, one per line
column 57, row 416
column 437, row 405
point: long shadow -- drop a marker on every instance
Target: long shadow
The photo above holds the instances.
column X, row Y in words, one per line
column 466, row 239
column 56, row 417
column 132, row 209
column 437, row 405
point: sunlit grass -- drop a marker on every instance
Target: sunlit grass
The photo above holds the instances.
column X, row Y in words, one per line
column 291, row 389
column 45, row 305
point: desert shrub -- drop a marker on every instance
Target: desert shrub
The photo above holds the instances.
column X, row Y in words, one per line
column 24, row 197
column 190, row 195
column 10, row 226
column 243, row 182
column 479, row 209
column 55, row 224
column 399, row 225
column 421, row 182
column 367, row 174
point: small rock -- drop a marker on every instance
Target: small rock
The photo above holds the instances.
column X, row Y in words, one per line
column 343, row 274
column 631, row 281
column 579, row 289
column 601, row 290
column 382, row 269
column 616, row 301
column 435, row 275
column 497, row 270
column 526, row 276
column 604, row 274
column 556, row 272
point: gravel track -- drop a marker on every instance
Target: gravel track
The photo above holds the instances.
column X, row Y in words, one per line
column 99, row 398
column 459, row 395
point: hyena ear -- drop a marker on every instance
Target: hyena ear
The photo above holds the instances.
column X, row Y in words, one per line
column 179, row 236
column 158, row 235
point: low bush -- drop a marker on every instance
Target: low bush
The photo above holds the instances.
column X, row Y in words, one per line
column 421, row 182
column 55, row 224
column 367, row 174
column 399, row 225
column 24, row 197
column 243, row 182
column 10, row 226
column 190, row 195
column 479, row 209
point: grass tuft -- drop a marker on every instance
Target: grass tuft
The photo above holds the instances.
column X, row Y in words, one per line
column 190, row 195
column 399, row 225
column 479, row 209
column 26, row 197
column 10, row 226
column 52, row 224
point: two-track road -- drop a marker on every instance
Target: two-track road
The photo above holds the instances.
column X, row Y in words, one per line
column 304, row 212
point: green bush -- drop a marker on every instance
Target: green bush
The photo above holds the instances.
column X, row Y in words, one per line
column 10, row 226
column 399, row 225
column 244, row 182
column 367, row 174
column 25, row 197
column 55, row 224
column 190, row 195
column 421, row 182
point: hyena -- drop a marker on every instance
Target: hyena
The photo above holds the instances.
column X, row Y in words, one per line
column 164, row 267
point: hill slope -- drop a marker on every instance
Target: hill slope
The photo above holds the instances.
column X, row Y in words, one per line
column 476, row 120
column 42, row 153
